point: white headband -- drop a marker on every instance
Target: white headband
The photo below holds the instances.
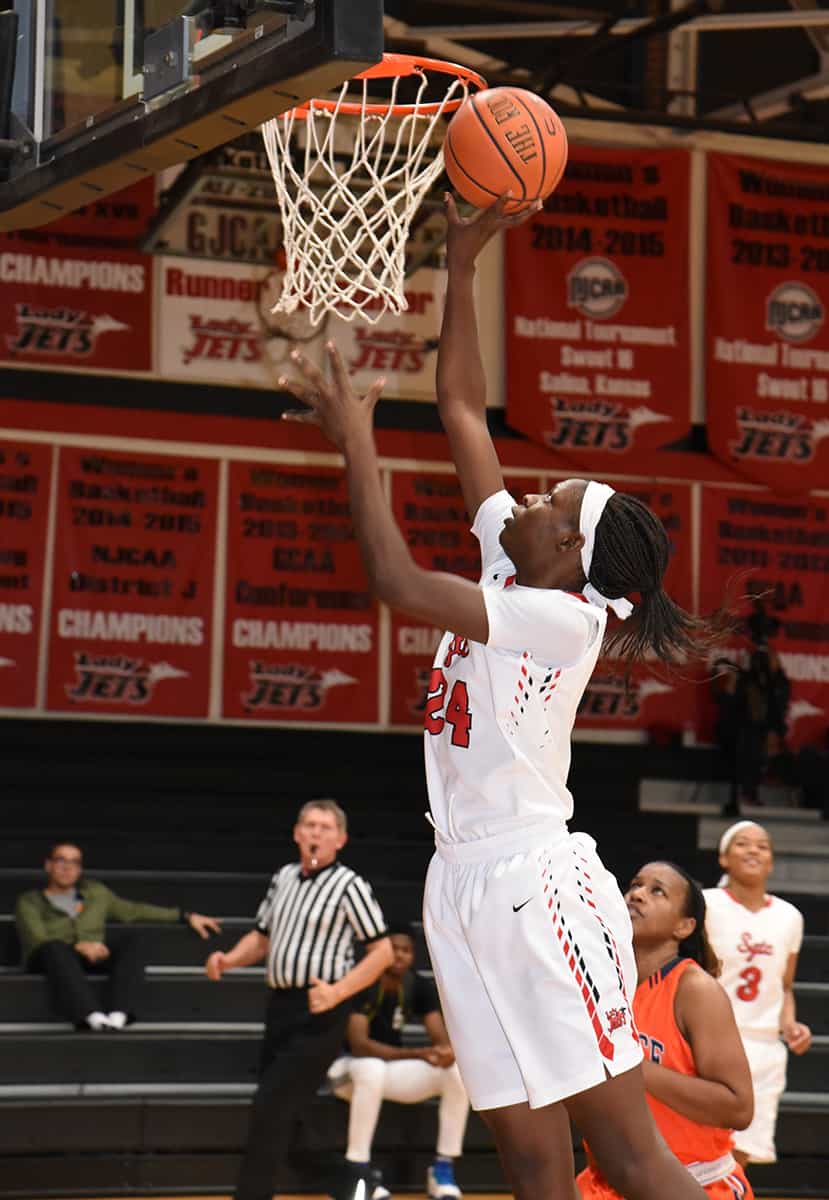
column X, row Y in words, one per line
column 596, row 496
column 726, row 840
column 731, row 833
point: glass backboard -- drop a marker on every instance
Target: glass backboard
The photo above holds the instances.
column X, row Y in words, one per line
column 105, row 91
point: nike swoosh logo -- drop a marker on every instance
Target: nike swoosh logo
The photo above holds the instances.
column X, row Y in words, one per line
column 518, row 907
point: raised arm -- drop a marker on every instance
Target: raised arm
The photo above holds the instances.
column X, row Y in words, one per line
column 461, row 384
column 434, row 596
column 721, row 1093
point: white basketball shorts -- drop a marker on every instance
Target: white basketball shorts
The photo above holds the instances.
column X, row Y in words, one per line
column 767, row 1061
column 530, row 940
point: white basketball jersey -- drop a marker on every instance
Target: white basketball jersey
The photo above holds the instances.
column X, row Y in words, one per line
column 754, row 949
column 499, row 717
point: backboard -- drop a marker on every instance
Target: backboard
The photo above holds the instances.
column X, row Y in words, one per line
column 104, row 92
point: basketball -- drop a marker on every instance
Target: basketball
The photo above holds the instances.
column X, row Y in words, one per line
column 505, row 139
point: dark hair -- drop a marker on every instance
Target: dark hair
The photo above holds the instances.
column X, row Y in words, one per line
column 630, row 554
column 63, row 842
column 696, row 945
column 403, row 928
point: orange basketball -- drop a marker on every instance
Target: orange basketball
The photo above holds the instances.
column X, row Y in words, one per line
column 505, row 139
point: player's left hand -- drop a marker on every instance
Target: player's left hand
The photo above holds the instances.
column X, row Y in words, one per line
column 798, row 1037
column 332, row 404
column 322, row 996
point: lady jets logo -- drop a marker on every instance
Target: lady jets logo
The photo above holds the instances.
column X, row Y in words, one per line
column 597, row 288
column 794, row 312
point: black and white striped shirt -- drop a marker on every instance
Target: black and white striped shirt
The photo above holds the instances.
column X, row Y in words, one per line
column 312, row 921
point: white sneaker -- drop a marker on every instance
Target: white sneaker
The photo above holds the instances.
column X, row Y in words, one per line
column 440, row 1182
column 98, row 1021
column 379, row 1191
column 118, row 1020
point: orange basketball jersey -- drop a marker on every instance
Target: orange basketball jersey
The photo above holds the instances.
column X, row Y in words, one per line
column 662, row 1043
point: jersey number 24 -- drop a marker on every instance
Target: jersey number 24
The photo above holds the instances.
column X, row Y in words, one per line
column 453, row 711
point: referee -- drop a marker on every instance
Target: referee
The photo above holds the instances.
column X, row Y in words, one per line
column 305, row 928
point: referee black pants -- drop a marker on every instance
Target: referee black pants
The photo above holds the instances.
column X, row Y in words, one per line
column 298, row 1049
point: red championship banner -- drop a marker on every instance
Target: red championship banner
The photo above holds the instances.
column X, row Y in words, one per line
column 72, row 306
column 767, row 374
column 597, row 310
column 120, row 218
column 301, row 635
column 25, row 478
column 133, row 584
column 777, row 548
column 655, row 698
column 431, row 514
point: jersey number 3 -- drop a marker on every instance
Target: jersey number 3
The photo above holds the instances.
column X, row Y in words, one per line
column 750, row 986
column 455, row 713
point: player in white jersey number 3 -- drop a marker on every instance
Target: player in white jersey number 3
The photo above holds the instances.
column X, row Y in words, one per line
column 528, row 933
column 757, row 939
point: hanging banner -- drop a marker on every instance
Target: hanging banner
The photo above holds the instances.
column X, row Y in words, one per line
column 767, row 367
column 25, row 479
column 132, row 593
column 210, row 324
column 431, row 514
column 401, row 347
column 214, row 323
column 759, row 544
column 596, row 306
column 301, row 632
column 70, row 306
column 655, row 698
column 120, row 218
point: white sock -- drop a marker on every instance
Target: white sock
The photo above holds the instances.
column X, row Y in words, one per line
column 98, row 1020
column 117, row 1019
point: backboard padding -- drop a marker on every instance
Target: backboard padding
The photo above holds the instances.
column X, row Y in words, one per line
column 139, row 139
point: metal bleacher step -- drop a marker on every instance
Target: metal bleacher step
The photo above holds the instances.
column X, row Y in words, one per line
column 795, row 830
column 190, row 1055
column 182, row 998
column 813, row 962
column 709, row 797
column 235, row 893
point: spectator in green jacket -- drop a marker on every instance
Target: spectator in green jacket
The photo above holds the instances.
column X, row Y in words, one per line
column 63, row 933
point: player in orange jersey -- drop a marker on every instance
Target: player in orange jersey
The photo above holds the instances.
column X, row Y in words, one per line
column 695, row 1070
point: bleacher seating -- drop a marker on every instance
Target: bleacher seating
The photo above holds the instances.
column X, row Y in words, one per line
column 201, row 818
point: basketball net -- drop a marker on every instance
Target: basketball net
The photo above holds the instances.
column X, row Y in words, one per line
column 346, row 203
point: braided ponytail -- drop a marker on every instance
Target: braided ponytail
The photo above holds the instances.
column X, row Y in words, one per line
column 631, row 554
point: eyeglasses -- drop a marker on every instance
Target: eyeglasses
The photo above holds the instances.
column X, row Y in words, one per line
column 67, row 862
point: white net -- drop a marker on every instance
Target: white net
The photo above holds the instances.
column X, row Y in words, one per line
column 346, row 214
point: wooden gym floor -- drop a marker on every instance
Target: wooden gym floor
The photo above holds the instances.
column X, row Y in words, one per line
column 408, row 1195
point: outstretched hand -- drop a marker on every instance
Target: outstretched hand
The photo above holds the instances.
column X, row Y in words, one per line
column 467, row 236
column 331, row 404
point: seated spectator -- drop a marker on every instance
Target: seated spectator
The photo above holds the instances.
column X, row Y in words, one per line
column 63, row 934
column 379, row 1067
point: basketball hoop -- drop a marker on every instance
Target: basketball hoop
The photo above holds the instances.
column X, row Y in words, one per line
column 347, row 198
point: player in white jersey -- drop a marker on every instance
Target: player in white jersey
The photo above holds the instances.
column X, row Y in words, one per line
column 528, row 933
column 757, row 938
